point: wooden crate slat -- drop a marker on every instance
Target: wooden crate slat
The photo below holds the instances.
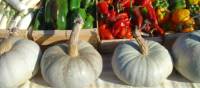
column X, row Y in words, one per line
column 47, row 37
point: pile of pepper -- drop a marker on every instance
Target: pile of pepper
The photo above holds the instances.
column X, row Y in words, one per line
column 113, row 24
column 60, row 14
column 117, row 18
column 178, row 15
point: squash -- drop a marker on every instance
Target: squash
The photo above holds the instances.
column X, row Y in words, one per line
column 19, row 61
column 142, row 63
column 186, row 51
column 72, row 65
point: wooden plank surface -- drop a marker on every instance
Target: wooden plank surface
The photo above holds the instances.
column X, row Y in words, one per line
column 109, row 80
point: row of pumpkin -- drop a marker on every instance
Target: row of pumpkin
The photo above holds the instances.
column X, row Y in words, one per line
column 76, row 64
column 115, row 19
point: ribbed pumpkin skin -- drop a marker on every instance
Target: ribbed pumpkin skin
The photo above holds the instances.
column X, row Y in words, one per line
column 186, row 52
column 62, row 71
column 135, row 69
column 18, row 64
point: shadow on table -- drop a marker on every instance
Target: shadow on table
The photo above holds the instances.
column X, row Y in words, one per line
column 176, row 76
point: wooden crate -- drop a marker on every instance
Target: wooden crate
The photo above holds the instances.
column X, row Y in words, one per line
column 108, row 46
column 49, row 37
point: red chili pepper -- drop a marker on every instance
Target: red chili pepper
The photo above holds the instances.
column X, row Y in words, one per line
column 122, row 33
column 126, row 3
column 159, row 30
column 121, row 23
column 109, row 1
column 139, row 17
column 150, row 10
column 103, row 7
column 152, row 15
column 125, row 32
column 122, row 16
column 121, row 28
column 129, row 34
column 104, row 32
column 147, row 28
column 143, row 2
column 111, row 15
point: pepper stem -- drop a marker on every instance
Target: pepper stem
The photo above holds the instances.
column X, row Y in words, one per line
column 141, row 41
column 74, row 37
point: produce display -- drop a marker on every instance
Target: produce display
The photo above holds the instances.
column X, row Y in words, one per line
column 71, row 65
column 76, row 63
column 19, row 61
column 117, row 18
column 59, row 14
column 16, row 13
column 142, row 62
column 186, row 55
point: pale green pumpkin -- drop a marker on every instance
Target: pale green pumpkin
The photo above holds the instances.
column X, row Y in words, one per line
column 186, row 52
column 19, row 61
column 145, row 64
column 73, row 65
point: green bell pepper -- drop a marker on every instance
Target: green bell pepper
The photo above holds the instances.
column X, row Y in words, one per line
column 47, row 11
column 75, row 13
column 87, row 3
column 88, row 22
column 74, row 4
column 178, row 4
column 161, row 4
column 194, row 8
column 62, row 10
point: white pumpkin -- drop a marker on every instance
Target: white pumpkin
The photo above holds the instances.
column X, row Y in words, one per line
column 186, row 52
column 19, row 60
column 145, row 64
column 73, row 65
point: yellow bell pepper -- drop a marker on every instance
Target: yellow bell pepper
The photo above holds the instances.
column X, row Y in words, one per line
column 180, row 15
column 190, row 22
column 194, row 1
column 162, row 15
column 189, row 25
column 188, row 29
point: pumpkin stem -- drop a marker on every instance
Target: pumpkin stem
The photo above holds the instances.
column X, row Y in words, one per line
column 12, row 32
column 141, row 41
column 29, row 34
column 74, row 37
